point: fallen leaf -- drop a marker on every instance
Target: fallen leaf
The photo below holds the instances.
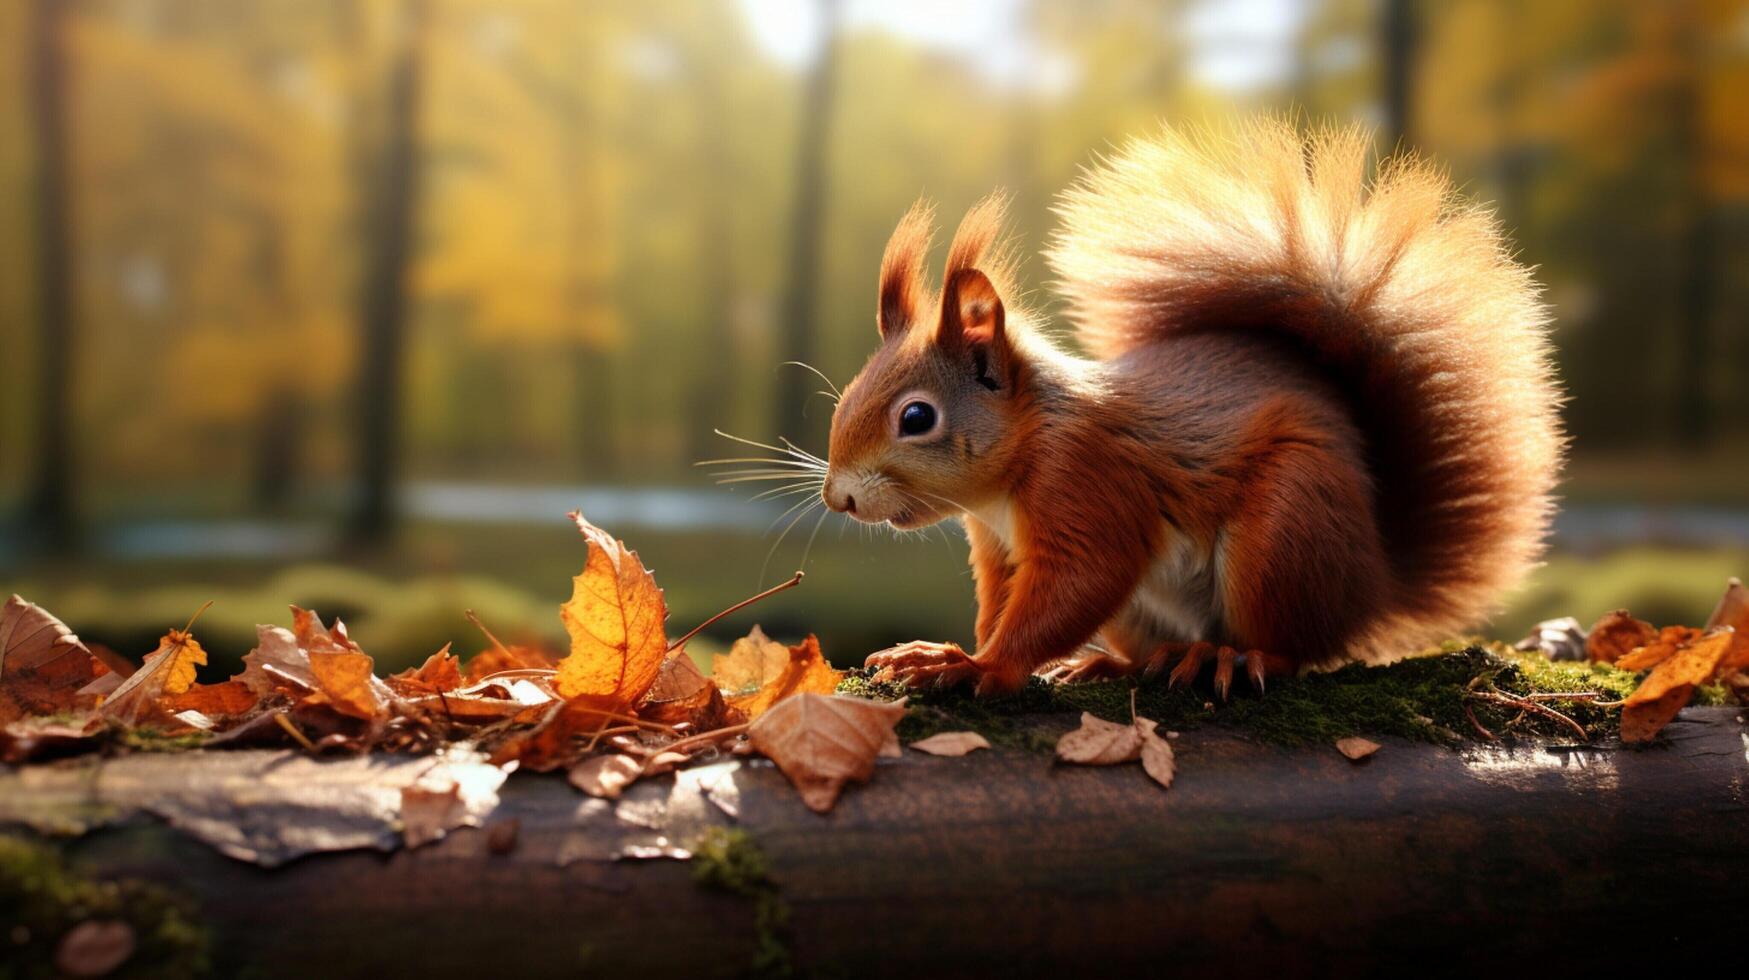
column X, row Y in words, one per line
column 553, row 741
column 1100, row 743
column 1558, row 639
column 1660, row 648
column 683, row 695
column 1356, row 748
column 951, row 743
column 1158, row 760
column 1671, row 685
column 1733, row 611
column 42, row 664
column 1616, row 635
column 500, row 659
column 95, row 948
column 758, row 672
column 344, row 680
column 225, row 699
column 281, row 663
column 439, row 673
column 615, row 618
column 604, row 776
column 168, row 670
column 28, row 739
column 823, row 741
column 431, row 809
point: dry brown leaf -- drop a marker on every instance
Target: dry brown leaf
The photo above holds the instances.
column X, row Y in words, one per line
column 1733, row 611
column 683, row 695
column 1100, row 743
column 1158, row 760
column 1616, row 635
column 1671, row 685
column 344, row 680
column 42, row 664
column 615, row 618
column 500, row 659
column 1356, row 748
column 225, row 699
column 168, row 670
column 951, row 743
column 605, row 776
column 438, row 673
column 95, row 948
column 1660, row 648
column 822, row 741
column 429, row 811
column 758, row 672
column 28, row 739
column 554, row 740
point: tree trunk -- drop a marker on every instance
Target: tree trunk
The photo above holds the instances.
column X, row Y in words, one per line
column 1259, row 861
column 712, row 395
column 807, row 218
column 53, row 508
column 1697, row 247
column 384, row 302
column 1398, row 39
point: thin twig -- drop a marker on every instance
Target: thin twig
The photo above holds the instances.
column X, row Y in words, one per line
column 703, row 738
column 292, row 730
column 744, row 603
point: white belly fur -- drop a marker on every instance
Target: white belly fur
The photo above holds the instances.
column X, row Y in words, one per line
column 1179, row 598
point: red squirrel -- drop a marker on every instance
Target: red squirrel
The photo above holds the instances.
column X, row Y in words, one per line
column 1316, row 421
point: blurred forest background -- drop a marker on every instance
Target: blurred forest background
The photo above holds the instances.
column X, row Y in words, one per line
column 346, row 302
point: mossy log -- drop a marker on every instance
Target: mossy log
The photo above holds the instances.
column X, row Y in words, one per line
column 1260, row 859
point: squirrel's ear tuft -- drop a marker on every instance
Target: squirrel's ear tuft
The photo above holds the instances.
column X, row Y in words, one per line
column 902, row 288
column 973, row 323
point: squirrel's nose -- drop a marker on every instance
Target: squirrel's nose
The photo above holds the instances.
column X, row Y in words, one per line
column 841, row 502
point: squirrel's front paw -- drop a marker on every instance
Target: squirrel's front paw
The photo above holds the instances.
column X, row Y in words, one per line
column 921, row 662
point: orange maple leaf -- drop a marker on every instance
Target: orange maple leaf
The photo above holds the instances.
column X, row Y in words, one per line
column 168, row 670
column 758, row 672
column 615, row 618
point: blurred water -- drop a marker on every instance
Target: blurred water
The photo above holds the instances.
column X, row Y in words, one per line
column 1581, row 528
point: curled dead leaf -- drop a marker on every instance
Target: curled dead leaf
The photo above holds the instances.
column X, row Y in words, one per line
column 1671, row 685
column 823, row 741
column 615, row 616
column 1660, row 648
column 605, row 776
column 683, row 695
column 951, row 743
column 1158, row 760
column 439, row 673
column 1616, row 635
column 42, row 664
column 758, row 672
column 431, row 809
column 225, row 699
column 1356, row 748
column 1100, row 743
column 169, row 670
column 346, row 681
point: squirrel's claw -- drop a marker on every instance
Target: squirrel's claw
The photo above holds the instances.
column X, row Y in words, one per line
column 922, row 662
column 1090, row 666
column 1191, row 658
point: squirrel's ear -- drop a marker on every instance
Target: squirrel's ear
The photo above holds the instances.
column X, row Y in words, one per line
column 972, row 320
column 902, row 289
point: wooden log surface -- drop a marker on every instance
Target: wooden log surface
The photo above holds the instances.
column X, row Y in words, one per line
column 1258, row 860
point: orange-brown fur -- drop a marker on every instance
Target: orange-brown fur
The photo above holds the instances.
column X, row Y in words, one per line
column 1320, row 420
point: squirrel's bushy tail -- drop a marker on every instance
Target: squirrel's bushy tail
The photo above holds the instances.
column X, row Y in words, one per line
column 1405, row 294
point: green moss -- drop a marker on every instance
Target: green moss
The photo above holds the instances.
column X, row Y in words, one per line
column 41, row 899
column 727, row 860
column 1429, row 698
column 153, row 740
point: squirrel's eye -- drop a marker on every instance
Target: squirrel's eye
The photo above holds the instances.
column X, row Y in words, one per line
column 916, row 419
